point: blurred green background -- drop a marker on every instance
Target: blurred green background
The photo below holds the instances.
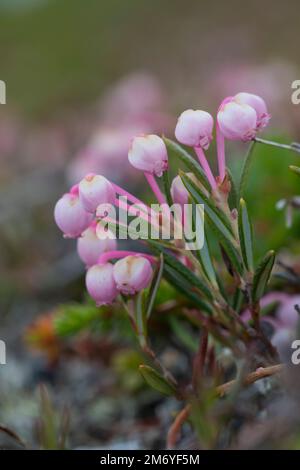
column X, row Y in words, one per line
column 64, row 53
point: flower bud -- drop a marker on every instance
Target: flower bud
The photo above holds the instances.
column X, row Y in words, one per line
column 179, row 192
column 258, row 104
column 237, row 121
column 194, row 128
column 132, row 274
column 148, row 153
column 90, row 247
column 95, row 190
column 70, row 216
column 100, row 283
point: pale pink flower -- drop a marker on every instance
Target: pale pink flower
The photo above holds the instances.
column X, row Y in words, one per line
column 256, row 102
column 100, row 283
column 70, row 215
column 132, row 274
column 194, row 128
column 237, row 121
column 149, row 154
column 90, row 246
column 95, row 190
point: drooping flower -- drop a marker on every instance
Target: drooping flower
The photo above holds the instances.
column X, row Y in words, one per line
column 256, row 102
column 100, row 283
column 90, row 246
column 132, row 274
column 194, row 128
column 237, row 121
column 149, row 154
column 95, row 190
column 70, row 215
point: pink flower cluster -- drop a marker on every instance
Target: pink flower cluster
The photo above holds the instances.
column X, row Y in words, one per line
column 77, row 212
column 239, row 117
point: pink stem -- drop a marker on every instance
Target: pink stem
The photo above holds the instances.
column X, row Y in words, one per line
column 221, row 153
column 158, row 194
column 205, row 165
column 134, row 200
column 130, row 197
column 149, row 218
column 117, row 254
column 155, row 188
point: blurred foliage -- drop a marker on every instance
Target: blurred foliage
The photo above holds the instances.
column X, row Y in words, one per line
column 270, row 180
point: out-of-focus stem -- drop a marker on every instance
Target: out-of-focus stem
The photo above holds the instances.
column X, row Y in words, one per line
column 221, row 390
column 295, row 146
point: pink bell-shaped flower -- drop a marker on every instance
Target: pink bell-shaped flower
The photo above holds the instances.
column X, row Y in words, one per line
column 149, row 154
column 256, row 102
column 100, row 283
column 90, row 246
column 70, row 215
column 95, row 190
column 132, row 274
column 194, row 128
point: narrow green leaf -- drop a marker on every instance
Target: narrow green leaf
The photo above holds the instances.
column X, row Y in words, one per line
column 167, row 187
column 232, row 199
column 154, row 287
column 262, row 276
column 188, row 160
column 245, row 235
column 205, row 260
column 183, row 271
column 217, row 220
column 204, row 257
column 183, row 286
column 183, row 334
column 156, row 380
column 246, row 169
column 237, row 300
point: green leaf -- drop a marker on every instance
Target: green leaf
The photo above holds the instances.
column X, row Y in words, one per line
column 154, row 287
column 188, row 160
column 205, row 260
column 183, row 286
column 183, row 334
column 217, row 220
column 246, row 169
column 245, row 235
column 232, row 199
column 262, row 276
column 182, row 270
column 156, row 380
column 167, row 187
